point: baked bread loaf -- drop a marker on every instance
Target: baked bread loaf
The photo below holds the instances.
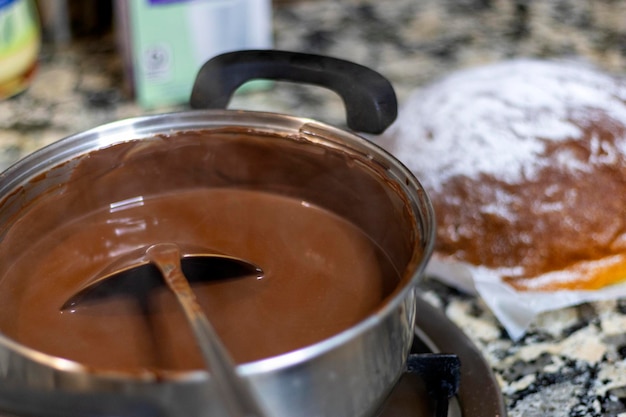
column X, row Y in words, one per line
column 525, row 162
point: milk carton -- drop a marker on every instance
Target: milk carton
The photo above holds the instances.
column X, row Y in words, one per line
column 165, row 42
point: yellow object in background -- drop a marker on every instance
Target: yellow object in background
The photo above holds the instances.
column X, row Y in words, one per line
column 20, row 40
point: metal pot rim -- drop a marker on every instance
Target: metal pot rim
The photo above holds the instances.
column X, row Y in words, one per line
column 141, row 127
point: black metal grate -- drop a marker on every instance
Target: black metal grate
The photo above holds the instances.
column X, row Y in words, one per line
column 441, row 374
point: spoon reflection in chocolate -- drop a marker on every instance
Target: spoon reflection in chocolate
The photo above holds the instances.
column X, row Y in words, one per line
column 135, row 273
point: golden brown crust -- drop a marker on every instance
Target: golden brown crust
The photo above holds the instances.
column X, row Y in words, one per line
column 550, row 223
column 591, row 275
column 533, row 186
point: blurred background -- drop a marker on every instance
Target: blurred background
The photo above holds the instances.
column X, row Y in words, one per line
column 99, row 60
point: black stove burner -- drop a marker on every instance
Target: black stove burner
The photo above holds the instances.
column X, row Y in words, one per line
column 446, row 374
column 441, row 374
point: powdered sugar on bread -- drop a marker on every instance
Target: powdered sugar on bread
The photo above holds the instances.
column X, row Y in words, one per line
column 496, row 119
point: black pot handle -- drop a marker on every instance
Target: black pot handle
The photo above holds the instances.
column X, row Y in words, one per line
column 370, row 100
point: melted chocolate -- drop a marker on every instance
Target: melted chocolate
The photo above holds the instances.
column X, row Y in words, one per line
column 329, row 235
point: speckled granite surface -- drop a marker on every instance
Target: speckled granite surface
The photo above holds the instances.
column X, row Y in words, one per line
column 572, row 361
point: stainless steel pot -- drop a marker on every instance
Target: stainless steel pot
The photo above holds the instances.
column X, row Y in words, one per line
column 348, row 374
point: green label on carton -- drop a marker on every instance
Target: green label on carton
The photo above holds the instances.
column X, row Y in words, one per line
column 171, row 39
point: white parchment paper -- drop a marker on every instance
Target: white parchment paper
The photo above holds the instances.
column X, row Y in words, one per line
column 515, row 310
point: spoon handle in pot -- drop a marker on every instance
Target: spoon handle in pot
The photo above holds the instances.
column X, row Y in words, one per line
column 235, row 393
column 369, row 98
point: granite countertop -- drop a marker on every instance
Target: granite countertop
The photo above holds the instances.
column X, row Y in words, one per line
column 572, row 361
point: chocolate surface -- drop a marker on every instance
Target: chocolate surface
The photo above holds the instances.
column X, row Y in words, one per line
column 280, row 208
